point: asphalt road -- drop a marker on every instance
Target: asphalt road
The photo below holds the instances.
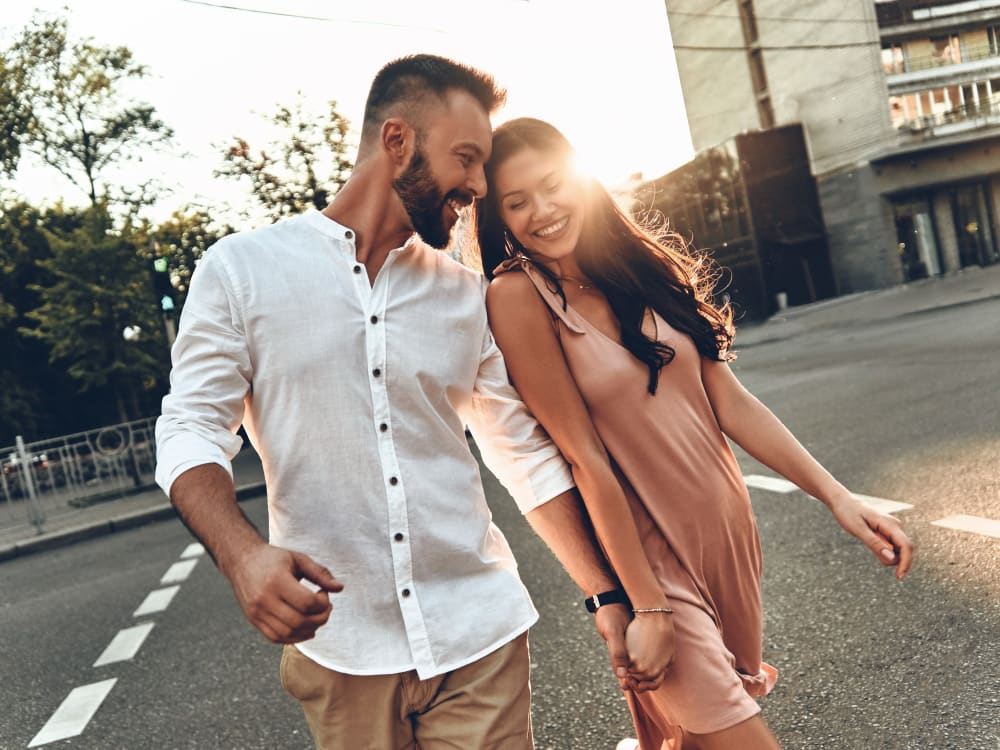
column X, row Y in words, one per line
column 906, row 410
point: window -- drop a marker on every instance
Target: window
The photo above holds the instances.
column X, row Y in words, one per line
column 945, row 50
column 892, row 59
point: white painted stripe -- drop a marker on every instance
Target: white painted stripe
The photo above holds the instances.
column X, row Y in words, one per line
column 125, row 645
column 179, row 571
column 975, row 524
column 156, row 601
column 193, row 550
column 882, row 505
column 771, row 484
column 74, row 713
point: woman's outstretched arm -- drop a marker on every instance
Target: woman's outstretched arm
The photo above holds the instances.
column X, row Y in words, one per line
column 756, row 429
column 523, row 330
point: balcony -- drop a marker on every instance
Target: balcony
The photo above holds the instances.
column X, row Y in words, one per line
column 950, row 68
column 955, row 122
column 901, row 15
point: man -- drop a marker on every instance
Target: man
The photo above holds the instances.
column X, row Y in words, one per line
column 355, row 353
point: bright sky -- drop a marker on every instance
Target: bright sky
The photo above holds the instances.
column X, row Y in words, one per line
column 603, row 72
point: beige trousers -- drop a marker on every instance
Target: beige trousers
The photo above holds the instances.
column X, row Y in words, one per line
column 485, row 705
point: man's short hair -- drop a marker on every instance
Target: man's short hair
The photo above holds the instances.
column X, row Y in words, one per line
column 402, row 87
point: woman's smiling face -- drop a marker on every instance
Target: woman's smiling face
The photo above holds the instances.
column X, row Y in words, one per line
column 541, row 201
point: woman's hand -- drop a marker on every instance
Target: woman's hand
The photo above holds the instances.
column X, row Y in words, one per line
column 882, row 534
column 649, row 639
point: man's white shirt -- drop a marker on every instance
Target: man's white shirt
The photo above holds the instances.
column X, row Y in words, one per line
column 356, row 396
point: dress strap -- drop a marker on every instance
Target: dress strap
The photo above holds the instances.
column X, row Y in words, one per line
column 544, row 287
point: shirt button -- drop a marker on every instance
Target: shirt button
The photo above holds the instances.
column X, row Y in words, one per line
column 383, row 427
column 357, row 269
column 406, row 592
column 374, row 318
column 398, row 537
column 349, row 234
column 393, row 481
column 376, row 372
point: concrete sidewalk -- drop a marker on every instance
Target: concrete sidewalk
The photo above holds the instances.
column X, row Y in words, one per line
column 119, row 514
column 969, row 286
column 965, row 287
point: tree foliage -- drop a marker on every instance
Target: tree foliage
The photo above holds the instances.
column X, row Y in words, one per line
column 79, row 119
column 99, row 284
column 303, row 166
column 14, row 114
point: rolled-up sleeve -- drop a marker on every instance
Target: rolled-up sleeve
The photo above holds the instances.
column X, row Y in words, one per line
column 209, row 380
column 512, row 443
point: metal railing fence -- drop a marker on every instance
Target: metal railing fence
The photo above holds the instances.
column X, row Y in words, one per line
column 48, row 478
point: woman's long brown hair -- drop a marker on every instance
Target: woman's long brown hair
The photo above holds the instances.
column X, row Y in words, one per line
column 634, row 269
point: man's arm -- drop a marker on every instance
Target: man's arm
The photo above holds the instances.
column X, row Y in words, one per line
column 265, row 578
column 211, row 375
column 565, row 527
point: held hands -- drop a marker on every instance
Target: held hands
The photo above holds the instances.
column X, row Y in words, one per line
column 649, row 639
column 266, row 584
column 641, row 649
column 882, row 534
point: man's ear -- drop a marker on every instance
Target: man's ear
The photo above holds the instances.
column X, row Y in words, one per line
column 397, row 139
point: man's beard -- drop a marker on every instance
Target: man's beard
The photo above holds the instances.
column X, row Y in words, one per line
column 423, row 201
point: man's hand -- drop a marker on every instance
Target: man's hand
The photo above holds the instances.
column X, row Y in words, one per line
column 611, row 620
column 266, row 584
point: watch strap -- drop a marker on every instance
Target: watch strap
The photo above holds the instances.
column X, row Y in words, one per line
column 615, row 596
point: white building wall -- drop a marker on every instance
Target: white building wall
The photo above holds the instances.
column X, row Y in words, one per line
column 718, row 92
column 837, row 87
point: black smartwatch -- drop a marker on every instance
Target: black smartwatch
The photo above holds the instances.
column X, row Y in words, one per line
column 615, row 596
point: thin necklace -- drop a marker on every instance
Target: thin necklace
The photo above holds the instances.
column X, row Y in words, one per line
column 579, row 283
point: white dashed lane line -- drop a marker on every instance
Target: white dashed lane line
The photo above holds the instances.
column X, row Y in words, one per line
column 179, row 571
column 975, row 524
column 156, row 601
column 783, row 486
column 125, row 645
column 74, row 713
column 972, row 524
column 771, row 484
column 881, row 504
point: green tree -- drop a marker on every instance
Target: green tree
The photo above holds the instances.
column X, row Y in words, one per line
column 36, row 399
column 79, row 120
column 100, row 285
column 303, row 166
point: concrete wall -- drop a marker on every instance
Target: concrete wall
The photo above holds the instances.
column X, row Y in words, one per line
column 861, row 231
column 942, row 165
column 944, row 222
column 995, row 190
column 838, row 92
column 718, row 92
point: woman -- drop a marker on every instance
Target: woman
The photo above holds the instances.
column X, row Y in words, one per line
column 613, row 342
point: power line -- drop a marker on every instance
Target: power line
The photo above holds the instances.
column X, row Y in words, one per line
column 772, row 47
column 326, row 19
column 793, row 19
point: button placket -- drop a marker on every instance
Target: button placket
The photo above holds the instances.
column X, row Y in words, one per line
column 377, row 352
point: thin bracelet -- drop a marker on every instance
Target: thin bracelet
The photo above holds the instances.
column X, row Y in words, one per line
column 664, row 610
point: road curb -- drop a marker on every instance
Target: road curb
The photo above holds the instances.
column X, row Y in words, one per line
column 122, row 522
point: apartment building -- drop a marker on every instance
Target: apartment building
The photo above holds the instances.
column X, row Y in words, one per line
column 899, row 102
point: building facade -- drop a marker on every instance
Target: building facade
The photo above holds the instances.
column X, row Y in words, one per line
column 898, row 101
